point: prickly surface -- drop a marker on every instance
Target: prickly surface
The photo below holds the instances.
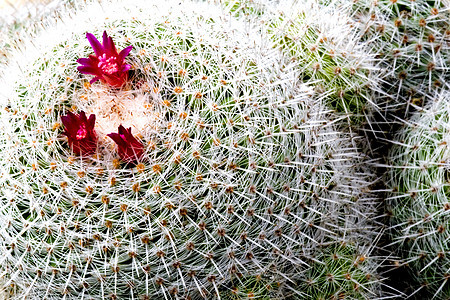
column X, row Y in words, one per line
column 246, row 187
column 419, row 205
column 411, row 39
column 324, row 44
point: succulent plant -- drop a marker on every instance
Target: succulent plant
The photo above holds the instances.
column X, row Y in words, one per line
column 228, row 178
column 329, row 56
column 16, row 16
column 411, row 40
column 419, row 204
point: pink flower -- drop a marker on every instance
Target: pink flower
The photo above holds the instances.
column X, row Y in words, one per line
column 129, row 148
column 107, row 65
column 80, row 132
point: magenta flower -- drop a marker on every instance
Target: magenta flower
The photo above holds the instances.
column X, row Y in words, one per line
column 80, row 132
column 107, row 65
column 129, row 148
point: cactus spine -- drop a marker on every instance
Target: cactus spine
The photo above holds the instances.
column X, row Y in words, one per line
column 411, row 40
column 323, row 43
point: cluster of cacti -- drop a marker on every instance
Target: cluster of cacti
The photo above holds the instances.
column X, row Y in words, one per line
column 230, row 178
column 419, row 205
column 411, row 40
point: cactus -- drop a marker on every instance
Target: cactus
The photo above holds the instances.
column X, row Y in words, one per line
column 18, row 15
column 245, row 8
column 323, row 43
column 419, row 204
column 245, row 187
column 412, row 42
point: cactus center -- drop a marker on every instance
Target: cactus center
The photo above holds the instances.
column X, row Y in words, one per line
column 129, row 108
column 108, row 65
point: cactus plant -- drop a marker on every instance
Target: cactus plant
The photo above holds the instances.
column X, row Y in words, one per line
column 17, row 15
column 324, row 44
column 418, row 205
column 412, row 42
column 243, row 187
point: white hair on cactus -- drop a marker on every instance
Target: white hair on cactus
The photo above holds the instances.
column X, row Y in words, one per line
column 128, row 108
column 326, row 45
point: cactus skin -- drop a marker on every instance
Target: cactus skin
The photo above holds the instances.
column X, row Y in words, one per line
column 245, row 178
column 419, row 204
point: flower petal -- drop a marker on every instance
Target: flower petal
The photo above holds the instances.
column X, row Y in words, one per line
column 94, row 79
column 124, row 132
column 116, row 138
column 125, row 68
column 105, row 39
column 98, row 48
column 70, row 122
column 125, row 52
column 85, row 61
column 82, row 117
column 91, row 122
column 112, row 47
column 115, row 80
column 88, row 70
column 108, row 45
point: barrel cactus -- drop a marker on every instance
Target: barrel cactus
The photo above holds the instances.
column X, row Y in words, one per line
column 419, row 206
column 195, row 166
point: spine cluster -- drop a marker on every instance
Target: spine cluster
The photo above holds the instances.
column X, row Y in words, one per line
column 411, row 41
column 328, row 54
column 418, row 207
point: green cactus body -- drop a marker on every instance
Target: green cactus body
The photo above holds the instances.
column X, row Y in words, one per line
column 322, row 42
column 245, row 189
column 238, row 8
column 419, row 204
column 411, row 43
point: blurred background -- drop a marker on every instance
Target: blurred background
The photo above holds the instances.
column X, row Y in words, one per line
column 4, row 3
column 16, row 15
column 10, row 9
